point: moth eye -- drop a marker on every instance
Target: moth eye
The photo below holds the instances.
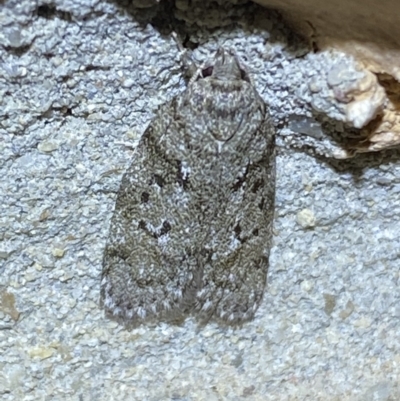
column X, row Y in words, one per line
column 207, row 72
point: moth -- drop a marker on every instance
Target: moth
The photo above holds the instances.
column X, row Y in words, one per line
column 191, row 229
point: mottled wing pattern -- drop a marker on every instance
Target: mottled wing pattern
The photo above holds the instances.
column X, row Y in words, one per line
column 147, row 271
column 192, row 224
column 235, row 275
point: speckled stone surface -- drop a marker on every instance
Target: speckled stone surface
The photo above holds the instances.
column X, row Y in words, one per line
column 79, row 83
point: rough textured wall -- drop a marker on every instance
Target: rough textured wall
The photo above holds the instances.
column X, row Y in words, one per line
column 79, row 83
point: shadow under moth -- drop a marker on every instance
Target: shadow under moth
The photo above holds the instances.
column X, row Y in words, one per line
column 191, row 229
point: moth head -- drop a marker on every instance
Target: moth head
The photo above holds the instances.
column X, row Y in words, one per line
column 226, row 67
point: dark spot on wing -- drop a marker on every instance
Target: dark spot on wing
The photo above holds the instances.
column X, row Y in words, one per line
column 159, row 180
column 144, row 198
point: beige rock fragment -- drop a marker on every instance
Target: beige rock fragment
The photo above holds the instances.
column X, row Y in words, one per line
column 58, row 252
column 369, row 100
column 306, row 218
column 7, row 304
column 369, row 30
column 41, row 352
column 384, row 131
